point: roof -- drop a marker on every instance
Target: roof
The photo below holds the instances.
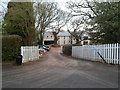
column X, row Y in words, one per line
column 64, row 33
column 48, row 33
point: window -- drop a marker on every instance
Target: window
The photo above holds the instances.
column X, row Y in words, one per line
column 64, row 41
column 64, row 37
column 51, row 36
column 85, row 43
column 47, row 36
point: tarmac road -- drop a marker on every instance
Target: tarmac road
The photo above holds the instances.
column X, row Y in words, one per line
column 55, row 70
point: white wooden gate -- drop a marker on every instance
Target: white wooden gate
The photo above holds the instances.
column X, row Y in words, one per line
column 109, row 52
column 29, row 53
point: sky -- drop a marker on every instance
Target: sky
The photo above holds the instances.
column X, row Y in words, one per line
column 61, row 4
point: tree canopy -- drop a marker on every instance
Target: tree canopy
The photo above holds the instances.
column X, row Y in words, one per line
column 46, row 13
column 20, row 20
column 106, row 23
column 102, row 19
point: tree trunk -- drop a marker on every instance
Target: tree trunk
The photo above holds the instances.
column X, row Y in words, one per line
column 55, row 37
column 77, row 41
column 41, row 40
column 55, row 40
column 27, row 41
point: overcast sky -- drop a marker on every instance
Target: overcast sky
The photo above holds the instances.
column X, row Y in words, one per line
column 61, row 4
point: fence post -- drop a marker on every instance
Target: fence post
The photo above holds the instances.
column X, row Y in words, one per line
column 112, row 48
column 117, row 53
column 22, row 53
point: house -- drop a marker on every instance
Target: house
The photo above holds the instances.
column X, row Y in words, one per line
column 48, row 38
column 64, row 37
column 85, row 39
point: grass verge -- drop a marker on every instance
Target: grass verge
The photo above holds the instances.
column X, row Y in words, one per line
column 8, row 63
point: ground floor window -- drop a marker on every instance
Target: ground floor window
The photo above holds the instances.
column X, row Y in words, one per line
column 85, row 42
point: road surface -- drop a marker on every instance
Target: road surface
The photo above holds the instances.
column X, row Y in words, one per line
column 55, row 70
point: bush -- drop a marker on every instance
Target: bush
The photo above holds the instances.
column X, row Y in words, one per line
column 67, row 49
column 10, row 46
column 76, row 44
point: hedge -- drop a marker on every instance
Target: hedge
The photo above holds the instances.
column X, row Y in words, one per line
column 10, row 47
column 67, row 49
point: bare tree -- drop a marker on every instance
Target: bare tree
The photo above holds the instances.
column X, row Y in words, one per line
column 46, row 13
column 75, row 30
column 83, row 8
column 101, row 17
column 61, row 20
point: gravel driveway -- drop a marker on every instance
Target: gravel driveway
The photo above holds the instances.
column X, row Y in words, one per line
column 55, row 70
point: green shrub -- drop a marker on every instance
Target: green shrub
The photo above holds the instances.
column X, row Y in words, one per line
column 67, row 49
column 10, row 46
column 76, row 44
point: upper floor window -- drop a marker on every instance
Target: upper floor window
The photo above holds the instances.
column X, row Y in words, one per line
column 47, row 36
column 51, row 36
column 64, row 41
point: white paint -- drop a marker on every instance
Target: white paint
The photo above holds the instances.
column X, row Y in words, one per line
column 110, row 52
column 29, row 53
column 48, row 36
column 64, row 40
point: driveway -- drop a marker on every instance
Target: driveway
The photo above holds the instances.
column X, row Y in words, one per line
column 55, row 70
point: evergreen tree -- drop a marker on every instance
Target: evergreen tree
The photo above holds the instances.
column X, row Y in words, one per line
column 20, row 20
column 106, row 23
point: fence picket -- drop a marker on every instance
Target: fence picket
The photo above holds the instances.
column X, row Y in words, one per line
column 29, row 53
column 109, row 52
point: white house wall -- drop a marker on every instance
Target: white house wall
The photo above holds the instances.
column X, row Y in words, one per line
column 84, row 41
column 64, row 40
column 85, row 34
column 48, row 37
column 73, row 41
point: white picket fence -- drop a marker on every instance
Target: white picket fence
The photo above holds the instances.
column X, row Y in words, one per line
column 109, row 52
column 29, row 53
